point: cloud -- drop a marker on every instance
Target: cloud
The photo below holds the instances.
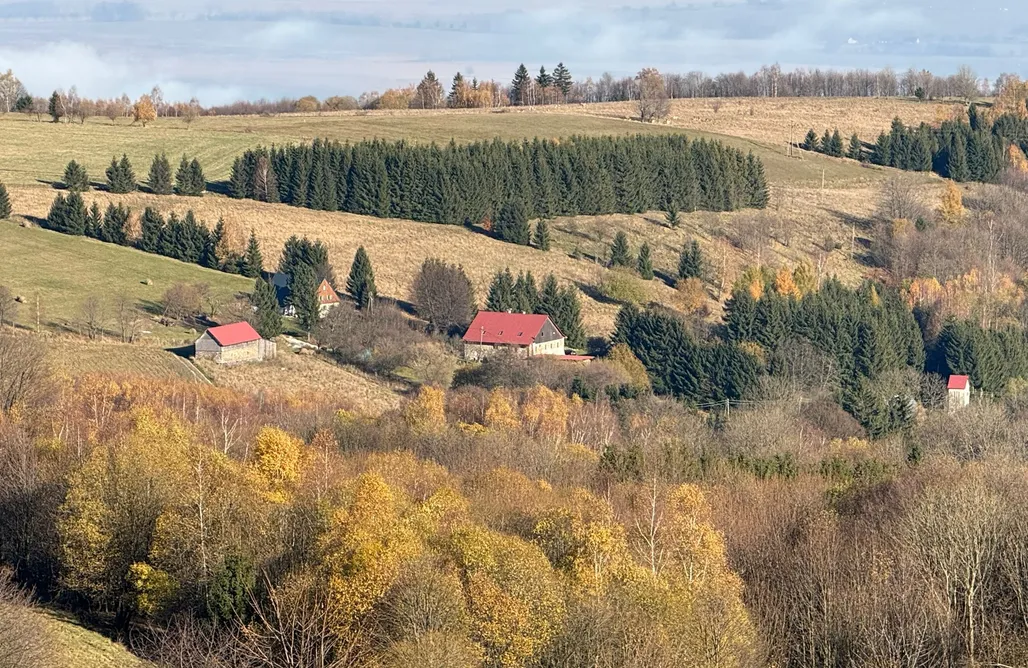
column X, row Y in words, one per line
column 321, row 47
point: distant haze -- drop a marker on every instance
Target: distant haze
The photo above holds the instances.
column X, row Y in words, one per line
column 223, row 50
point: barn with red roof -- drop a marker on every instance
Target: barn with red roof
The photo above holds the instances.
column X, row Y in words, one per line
column 234, row 343
column 527, row 335
column 958, row 392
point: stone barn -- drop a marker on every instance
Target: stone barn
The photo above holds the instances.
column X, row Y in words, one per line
column 234, row 344
column 958, row 394
column 525, row 335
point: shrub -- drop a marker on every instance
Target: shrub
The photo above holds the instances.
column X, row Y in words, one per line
column 623, row 287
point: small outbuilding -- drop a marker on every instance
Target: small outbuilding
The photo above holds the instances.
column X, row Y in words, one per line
column 525, row 335
column 328, row 298
column 958, row 394
column 234, row 344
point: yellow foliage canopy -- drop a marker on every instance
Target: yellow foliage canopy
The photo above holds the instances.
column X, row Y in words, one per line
column 426, row 412
column 951, row 205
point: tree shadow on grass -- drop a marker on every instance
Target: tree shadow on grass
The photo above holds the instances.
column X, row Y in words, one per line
column 592, row 292
column 220, row 188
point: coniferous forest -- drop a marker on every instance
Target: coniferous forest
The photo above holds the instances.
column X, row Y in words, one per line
column 474, row 183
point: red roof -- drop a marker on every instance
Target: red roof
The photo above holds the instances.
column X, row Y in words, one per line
column 574, row 358
column 958, row 382
column 234, row 334
column 327, row 295
column 512, row 329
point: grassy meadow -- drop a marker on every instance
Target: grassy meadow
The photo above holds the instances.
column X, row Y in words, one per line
column 63, row 271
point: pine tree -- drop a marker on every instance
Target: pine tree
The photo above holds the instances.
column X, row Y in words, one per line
column 361, row 283
column 810, row 142
column 512, row 223
column 75, row 177
column 5, row 202
column 757, row 195
column 542, row 235
column 956, row 163
column 253, row 260
column 544, row 80
column 56, row 107
column 501, row 297
column 267, row 319
column 151, row 229
column 568, row 317
column 239, row 184
column 826, row 142
column 835, row 145
column 303, row 296
column 519, row 86
column 526, row 295
column 115, row 225
column 190, row 180
column 645, row 263
column 882, row 152
column 121, row 178
column 690, row 261
column 620, row 255
column 159, row 180
column 68, row 214
column 856, row 150
column 94, row 223
column 562, row 80
column 920, row 154
column 671, row 215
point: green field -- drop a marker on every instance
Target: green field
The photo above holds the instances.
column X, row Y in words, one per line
column 65, row 270
column 73, row 646
column 35, row 153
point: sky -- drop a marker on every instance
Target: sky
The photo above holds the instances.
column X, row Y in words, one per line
column 224, row 50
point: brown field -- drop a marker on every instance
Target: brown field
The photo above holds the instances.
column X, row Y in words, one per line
column 78, row 357
column 291, row 373
column 776, row 121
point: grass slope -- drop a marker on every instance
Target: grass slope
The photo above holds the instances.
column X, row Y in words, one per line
column 72, row 646
column 75, row 357
column 217, row 141
column 64, row 270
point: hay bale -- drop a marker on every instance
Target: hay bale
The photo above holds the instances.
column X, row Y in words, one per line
column 148, row 282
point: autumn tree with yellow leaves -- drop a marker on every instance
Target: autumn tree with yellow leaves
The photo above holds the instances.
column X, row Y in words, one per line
column 951, row 205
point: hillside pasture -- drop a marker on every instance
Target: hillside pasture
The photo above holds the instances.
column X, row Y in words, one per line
column 63, row 271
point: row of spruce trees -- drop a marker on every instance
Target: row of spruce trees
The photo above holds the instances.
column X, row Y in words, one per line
column 504, row 181
column 121, row 177
column 182, row 238
column 522, row 295
column 958, row 150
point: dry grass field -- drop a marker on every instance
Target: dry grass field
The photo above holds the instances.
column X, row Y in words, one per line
column 781, row 120
column 73, row 357
column 303, row 374
column 64, row 271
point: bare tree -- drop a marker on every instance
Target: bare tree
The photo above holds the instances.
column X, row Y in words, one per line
column 899, row 201
column 127, row 318
column 23, row 370
column 443, row 295
column 94, row 316
column 181, row 301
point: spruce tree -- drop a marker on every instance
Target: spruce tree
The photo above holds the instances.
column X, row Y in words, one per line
column 68, row 214
column 115, row 225
column 645, row 262
column 956, row 163
column 159, row 180
column 690, row 261
column 512, row 223
column 856, row 149
column 239, row 184
column 835, row 145
column 542, row 235
column 568, row 318
column 361, row 283
column 526, row 295
column 267, row 319
column 671, row 215
column 56, row 107
column 151, row 229
column 519, row 86
column 196, row 178
column 94, row 223
column 882, row 152
column 826, row 142
column 5, row 202
column 562, row 80
column 75, row 177
column 121, row 178
column 253, row 260
column 544, row 80
column 190, row 180
column 501, row 297
column 810, row 142
column 303, row 296
column 620, row 255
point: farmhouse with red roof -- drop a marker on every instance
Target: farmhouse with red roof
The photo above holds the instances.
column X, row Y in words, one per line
column 525, row 335
column 958, row 392
column 232, row 344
